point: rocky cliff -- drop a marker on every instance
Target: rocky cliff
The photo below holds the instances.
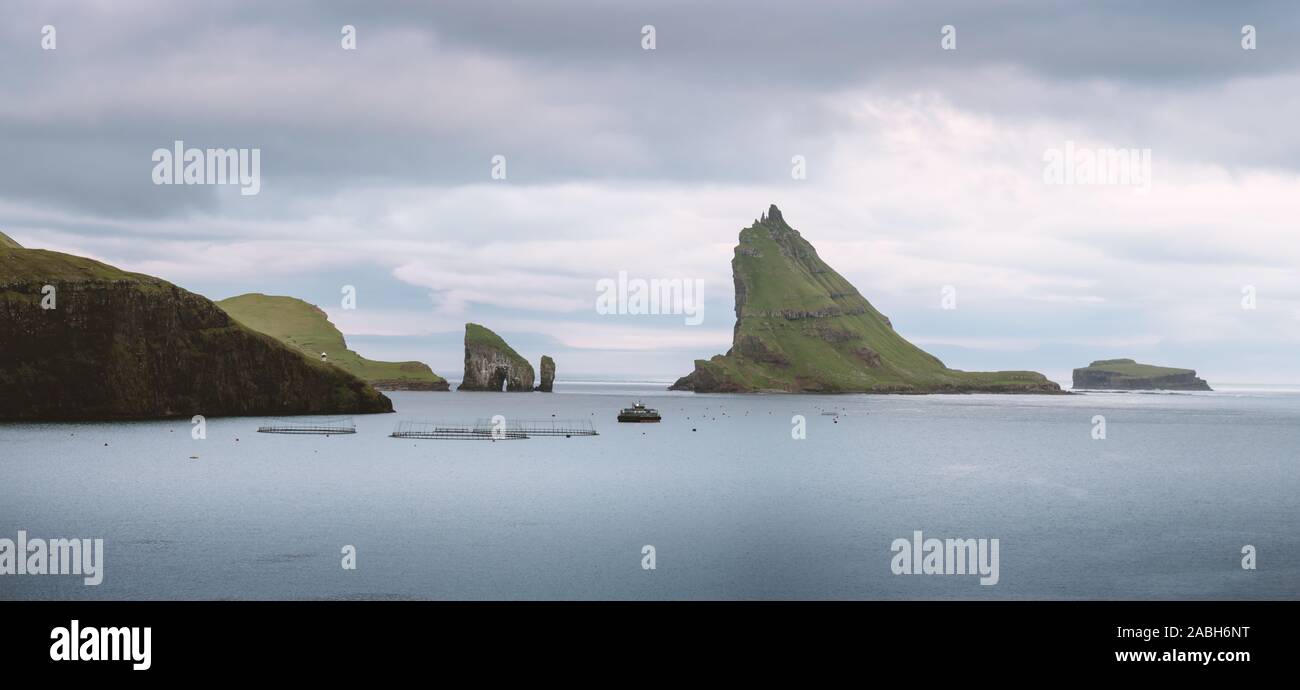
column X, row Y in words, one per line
column 119, row 345
column 1126, row 374
column 306, row 327
column 491, row 364
column 801, row 327
column 547, row 375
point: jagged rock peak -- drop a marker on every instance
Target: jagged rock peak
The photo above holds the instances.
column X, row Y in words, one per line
column 772, row 217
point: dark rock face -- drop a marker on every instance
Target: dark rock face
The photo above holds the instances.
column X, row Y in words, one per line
column 491, row 364
column 1126, row 374
column 705, row 380
column 117, row 348
column 547, row 374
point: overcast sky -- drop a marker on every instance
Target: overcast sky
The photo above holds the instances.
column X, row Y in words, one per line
column 925, row 167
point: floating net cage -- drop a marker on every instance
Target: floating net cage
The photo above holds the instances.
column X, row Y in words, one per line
column 486, row 430
column 545, row 427
column 327, row 427
column 452, row 431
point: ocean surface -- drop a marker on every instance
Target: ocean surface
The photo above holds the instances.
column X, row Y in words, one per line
column 734, row 507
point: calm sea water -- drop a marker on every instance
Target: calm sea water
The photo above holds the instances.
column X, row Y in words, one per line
column 735, row 508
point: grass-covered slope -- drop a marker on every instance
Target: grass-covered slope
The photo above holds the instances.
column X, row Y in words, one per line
column 306, row 327
column 120, row 345
column 1126, row 374
column 482, row 336
column 801, row 327
column 7, row 242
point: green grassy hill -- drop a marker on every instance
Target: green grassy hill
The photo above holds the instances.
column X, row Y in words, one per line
column 7, row 242
column 801, row 327
column 306, row 327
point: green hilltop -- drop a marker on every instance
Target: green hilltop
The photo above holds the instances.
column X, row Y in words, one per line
column 7, row 242
column 1128, row 367
column 19, row 265
column 482, row 336
column 306, row 327
column 801, row 327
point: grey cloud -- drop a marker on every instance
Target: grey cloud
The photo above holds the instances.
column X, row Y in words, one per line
column 564, row 90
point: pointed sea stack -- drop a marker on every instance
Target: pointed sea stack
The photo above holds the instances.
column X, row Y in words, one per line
column 491, row 364
column 802, row 328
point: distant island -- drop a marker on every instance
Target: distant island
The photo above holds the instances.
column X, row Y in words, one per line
column 306, row 327
column 82, row 340
column 492, row 365
column 802, row 328
column 1126, row 374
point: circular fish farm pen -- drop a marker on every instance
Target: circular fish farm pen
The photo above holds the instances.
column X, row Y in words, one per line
column 325, row 427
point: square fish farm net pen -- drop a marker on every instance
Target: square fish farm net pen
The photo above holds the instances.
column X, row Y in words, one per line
column 335, row 425
column 453, row 431
column 545, row 427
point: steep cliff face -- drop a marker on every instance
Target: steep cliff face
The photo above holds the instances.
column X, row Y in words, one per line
column 491, row 364
column 801, row 327
column 119, row 345
column 547, row 375
column 306, row 327
column 1126, row 374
